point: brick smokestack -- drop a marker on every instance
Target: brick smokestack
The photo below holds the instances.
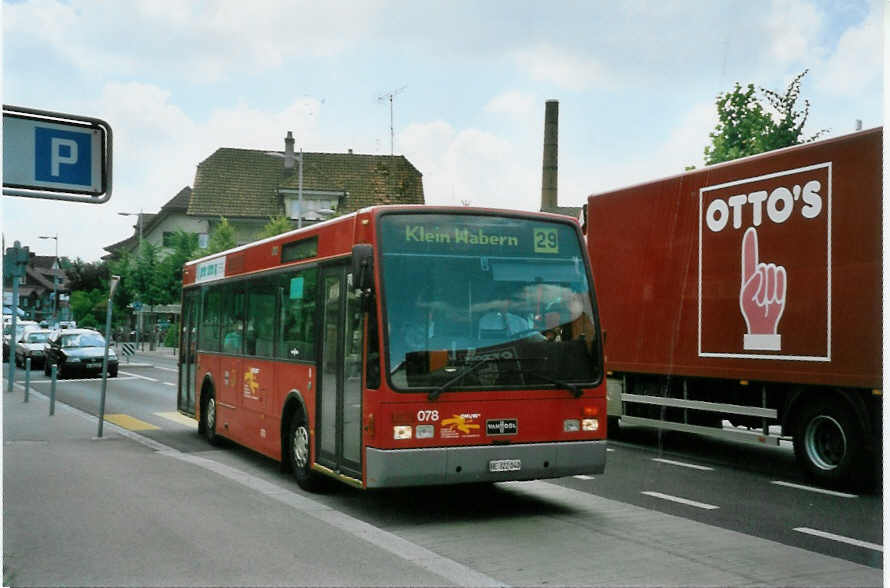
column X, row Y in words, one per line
column 551, row 139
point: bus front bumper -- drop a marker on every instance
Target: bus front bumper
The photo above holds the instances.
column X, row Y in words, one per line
column 458, row 465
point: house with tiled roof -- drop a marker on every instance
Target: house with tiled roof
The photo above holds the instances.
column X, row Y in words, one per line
column 158, row 228
column 248, row 186
column 36, row 289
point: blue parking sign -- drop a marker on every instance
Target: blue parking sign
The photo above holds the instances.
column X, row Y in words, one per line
column 56, row 156
column 62, row 156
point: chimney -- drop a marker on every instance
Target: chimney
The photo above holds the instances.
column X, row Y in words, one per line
column 551, row 139
column 289, row 158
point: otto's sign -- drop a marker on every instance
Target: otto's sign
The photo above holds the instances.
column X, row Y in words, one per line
column 765, row 266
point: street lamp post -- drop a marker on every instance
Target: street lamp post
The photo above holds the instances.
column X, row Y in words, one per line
column 55, row 276
column 139, row 317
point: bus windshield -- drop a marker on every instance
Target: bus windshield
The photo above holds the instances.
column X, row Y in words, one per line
column 479, row 301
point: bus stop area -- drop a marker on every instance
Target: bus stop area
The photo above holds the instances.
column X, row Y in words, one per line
column 125, row 510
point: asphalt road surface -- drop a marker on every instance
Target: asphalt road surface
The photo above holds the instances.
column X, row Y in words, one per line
column 757, row 491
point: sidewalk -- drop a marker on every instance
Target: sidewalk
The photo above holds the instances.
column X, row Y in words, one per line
column 79, row 510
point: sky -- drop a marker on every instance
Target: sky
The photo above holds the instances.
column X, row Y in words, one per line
column 636, row 84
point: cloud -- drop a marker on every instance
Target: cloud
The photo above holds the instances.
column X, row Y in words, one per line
column 566, row 70
column 472, row 166
column 196, row 41
column 514, row 103
column 793, row 27
column 857, row 63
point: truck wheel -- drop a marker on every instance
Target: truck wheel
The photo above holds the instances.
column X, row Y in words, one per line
column 299, row 452
column 829, row 443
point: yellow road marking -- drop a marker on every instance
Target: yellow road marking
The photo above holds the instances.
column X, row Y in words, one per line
column 178, row 418
column 130, row 423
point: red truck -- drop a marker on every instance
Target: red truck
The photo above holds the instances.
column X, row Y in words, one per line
column 750, row 292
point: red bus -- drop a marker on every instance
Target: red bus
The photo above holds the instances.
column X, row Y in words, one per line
column 401, row 346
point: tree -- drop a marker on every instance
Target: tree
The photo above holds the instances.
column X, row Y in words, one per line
column 86, row 275
column 746, row 126
column 275, row 226
column 185, row 247
column 222, row 237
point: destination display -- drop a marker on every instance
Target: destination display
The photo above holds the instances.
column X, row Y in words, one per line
column 477, row 235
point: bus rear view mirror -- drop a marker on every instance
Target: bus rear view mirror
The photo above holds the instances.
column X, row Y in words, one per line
column 363, row 267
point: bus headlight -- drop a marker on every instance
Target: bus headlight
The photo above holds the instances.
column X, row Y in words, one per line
column 401, row 432
column 590, row 425
column 571, row 425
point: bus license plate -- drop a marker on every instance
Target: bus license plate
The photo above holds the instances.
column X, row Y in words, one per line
column 505, row 465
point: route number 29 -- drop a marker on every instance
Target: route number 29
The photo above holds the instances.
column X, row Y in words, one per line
column 546, row 241
column 424, row 416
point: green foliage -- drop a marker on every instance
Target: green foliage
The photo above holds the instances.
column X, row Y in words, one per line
column 185, row 247
column 222, row 237
column 88, row 322
column 146, row 277
column 275, row 226
column 171, row 339
column 86, row 275
column 88, row 307
column 746, row 126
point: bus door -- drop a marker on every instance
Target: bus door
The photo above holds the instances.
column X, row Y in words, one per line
column 339, row 394
column 188, row 350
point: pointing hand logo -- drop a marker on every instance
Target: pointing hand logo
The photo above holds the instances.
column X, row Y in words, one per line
column 762, row 297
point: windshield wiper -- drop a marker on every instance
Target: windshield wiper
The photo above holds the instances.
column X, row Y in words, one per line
column 464, row 373
column 573, row 388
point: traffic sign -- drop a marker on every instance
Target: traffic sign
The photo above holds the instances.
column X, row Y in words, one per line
column 56, row 156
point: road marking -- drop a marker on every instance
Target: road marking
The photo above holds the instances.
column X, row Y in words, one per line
column 178, row 418
column 166, row 369
column 129, row 423
column 169, row 384
column 609, row 449
column 813, row 489
column 840, row 538
column 584, row 477
column 683, row 464
column 685, row 501
column 141, row 377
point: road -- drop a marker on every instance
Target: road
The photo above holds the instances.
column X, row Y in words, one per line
column 756, row 491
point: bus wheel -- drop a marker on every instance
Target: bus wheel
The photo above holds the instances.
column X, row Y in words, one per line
column 298, row 453
column 828, row 442
column 208, row 414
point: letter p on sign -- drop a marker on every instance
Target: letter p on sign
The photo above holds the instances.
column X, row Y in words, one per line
column 62, row 156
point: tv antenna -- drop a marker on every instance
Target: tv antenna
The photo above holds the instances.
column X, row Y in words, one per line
column 390, row 95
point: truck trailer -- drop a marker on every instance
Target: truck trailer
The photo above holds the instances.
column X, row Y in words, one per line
column 750, row 292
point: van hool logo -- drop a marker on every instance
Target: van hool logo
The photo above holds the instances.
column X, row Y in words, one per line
column 769, row 299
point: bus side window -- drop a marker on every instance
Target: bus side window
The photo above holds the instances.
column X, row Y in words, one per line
column 260, row 324
column 297, row 315
column 210, row 319
column 232, row 317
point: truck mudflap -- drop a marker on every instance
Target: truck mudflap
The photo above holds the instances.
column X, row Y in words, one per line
column 490, row 463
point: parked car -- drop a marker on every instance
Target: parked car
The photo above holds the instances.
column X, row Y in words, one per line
column 20, row 327
column 78, row 352
column 31, row 345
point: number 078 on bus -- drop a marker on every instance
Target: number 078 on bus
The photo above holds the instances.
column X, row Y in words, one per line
column 401, row 346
